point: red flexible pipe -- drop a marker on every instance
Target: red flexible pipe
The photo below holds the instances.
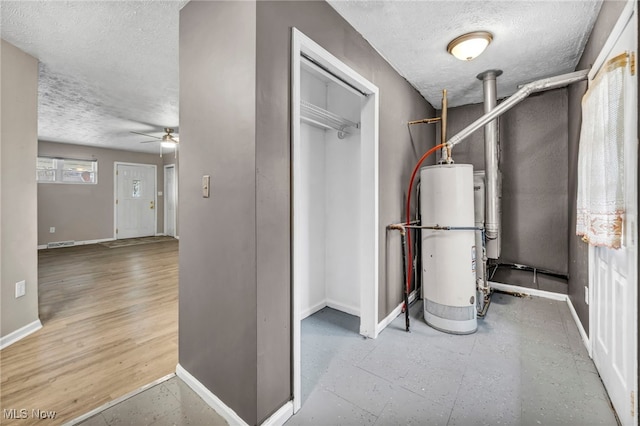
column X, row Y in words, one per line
column 413, row 176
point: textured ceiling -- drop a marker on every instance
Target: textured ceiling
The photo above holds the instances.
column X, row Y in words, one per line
column 106, row 67
column 110, row 67
column 532, row 40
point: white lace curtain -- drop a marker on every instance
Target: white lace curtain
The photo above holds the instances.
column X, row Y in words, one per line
column 600, row 202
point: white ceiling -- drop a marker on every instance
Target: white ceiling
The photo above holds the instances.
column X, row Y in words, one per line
column 111, row 67
column 531, row 40
column 106, row 67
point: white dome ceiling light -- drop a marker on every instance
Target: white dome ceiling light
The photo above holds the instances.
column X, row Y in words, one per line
column 469, row 46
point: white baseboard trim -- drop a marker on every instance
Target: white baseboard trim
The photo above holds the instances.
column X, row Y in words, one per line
column 331, row 304
column 80, row 243
column 278, row 418
column 528, row 291
column 547, row 295
column 393, row 315
column 343, row 308
column 213, row 401
column 313, row 309
column 160, row 234
column 20, row 333
column 116, row 401
column 583, row 333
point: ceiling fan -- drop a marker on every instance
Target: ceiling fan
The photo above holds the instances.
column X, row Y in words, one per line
column 168, row 140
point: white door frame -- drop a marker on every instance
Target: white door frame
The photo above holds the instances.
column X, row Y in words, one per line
column 629, row 13
column 302, row 44
column 115, row 194
column 175, row 184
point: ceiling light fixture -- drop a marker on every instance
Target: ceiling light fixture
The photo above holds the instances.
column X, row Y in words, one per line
column 168, row 144
column 469, row 46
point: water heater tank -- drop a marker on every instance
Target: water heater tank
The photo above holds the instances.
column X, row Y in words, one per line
column 449, row 258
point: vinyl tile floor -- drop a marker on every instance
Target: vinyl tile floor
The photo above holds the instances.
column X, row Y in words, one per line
column 171, row 402
column 526, row 365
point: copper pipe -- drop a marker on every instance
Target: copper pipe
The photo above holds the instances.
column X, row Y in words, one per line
column 401, row 226
column 426, row 121
column 443, row 129
column 397, row 227
column 446, row 151
column 403, row 234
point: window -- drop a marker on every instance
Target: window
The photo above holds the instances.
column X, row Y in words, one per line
column 66, row 170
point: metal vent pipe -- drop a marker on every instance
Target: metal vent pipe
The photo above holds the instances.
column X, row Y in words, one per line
column 516, row 98
column 491, row 113
column 492, row 175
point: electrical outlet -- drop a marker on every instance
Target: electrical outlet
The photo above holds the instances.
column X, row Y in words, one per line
column 586, row 294
column 52, row 230
column 20, row 288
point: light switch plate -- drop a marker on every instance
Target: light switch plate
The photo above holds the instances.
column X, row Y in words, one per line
column 206, row 185
column 20, row 288
column 52, row 230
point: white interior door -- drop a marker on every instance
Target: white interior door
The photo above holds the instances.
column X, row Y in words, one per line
column 613, row 273
column 135, row 200
column 170, row 200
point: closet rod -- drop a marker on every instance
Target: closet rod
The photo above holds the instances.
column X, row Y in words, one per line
column 326, row 70
column 319, row 124
column 308, row 110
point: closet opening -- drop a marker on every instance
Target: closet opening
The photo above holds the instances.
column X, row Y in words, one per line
column 335, row 196
column 330, row 163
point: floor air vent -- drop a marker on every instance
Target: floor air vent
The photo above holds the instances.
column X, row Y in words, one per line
column 61, row 244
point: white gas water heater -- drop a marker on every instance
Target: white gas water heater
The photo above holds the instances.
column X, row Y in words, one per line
column 460, row 214
column 449, row 256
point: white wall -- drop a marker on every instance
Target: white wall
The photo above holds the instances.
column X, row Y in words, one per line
column 313, row 294
column 18, row 191
column 342, row 209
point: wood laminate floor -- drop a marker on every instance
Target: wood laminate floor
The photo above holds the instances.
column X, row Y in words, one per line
column 110, row 326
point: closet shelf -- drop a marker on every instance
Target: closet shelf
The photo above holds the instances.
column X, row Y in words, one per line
column 320, row 117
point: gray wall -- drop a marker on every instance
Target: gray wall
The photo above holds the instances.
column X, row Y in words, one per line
column 235, row 259
column 533, row 161
column 18, row 193
column 85, row 212
column 217, row 312
column 578, row 250
column 399, row 103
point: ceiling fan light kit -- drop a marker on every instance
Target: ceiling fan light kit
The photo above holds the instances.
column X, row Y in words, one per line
column 168, row 140
column 167, row 137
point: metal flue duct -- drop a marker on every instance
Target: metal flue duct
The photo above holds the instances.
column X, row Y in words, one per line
column 492, row 173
